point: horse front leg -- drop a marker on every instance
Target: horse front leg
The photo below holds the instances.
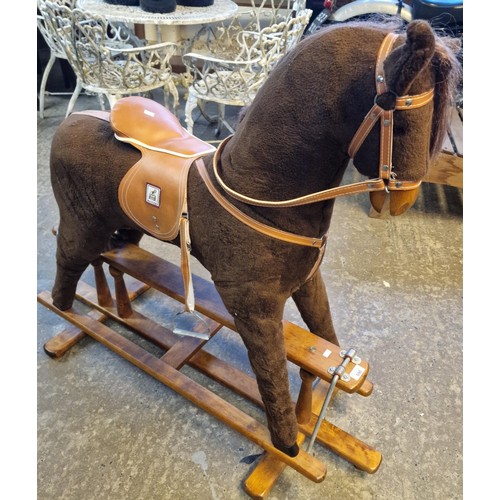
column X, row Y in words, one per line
column 263, row 339
column 312, row 302
column 258, row 319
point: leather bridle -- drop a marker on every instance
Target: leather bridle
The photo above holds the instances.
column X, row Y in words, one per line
column 386, row 181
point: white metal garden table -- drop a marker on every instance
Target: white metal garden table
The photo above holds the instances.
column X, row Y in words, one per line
column 178, row 26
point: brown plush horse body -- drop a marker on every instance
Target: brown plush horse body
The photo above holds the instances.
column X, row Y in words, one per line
column 292, row 141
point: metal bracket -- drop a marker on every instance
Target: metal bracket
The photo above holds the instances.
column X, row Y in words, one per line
column 337, row 372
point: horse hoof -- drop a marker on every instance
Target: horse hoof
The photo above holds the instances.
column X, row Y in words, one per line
column 62, row 305
column 293, row 451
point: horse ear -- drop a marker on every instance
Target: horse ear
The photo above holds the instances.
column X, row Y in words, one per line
column 412, row 57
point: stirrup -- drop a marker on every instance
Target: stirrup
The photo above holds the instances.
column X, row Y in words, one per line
column 191, row 324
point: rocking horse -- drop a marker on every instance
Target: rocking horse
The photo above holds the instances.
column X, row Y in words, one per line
column 255, row 213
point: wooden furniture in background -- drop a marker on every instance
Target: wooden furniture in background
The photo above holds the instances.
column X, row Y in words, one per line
column 448, row 168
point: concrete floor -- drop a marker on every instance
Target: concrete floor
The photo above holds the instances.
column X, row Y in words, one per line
column 106, row 430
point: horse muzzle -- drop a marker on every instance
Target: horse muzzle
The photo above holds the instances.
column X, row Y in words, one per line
column 398, row 201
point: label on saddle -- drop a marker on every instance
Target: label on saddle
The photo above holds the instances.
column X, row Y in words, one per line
column 153, row 195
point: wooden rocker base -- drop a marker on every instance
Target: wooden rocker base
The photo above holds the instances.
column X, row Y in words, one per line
column 315, row 356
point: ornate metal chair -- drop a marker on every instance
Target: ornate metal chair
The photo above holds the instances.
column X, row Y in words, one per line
column 57, row 51
column 229, row 61
column 107, row 58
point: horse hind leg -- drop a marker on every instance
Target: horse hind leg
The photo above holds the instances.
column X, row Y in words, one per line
column 312, row 302
column 77, row 247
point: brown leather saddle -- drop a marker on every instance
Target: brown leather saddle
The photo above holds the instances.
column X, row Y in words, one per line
column 153, row 193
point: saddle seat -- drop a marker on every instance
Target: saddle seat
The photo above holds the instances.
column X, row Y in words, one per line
column 147, row 124
column 153, row 193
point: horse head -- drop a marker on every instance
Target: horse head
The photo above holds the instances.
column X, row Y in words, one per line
column 421, row 66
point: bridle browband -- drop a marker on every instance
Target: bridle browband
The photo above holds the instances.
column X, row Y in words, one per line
column 386, row 180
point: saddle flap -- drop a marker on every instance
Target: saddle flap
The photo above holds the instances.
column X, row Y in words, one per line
column 147, row 124
column 152, row 193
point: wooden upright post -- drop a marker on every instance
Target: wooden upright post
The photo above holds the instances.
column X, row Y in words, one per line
column 303, row 408
column 104, row 298
column 123, row 305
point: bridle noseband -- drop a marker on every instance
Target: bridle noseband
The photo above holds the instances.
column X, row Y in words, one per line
column 386, row 180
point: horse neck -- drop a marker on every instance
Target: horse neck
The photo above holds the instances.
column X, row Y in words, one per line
column 293, row 138
column 283, row 163
column 280, row 153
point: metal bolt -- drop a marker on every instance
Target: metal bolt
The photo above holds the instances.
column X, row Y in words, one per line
column 331, row 370
column 387, row 123
column 346, row 377
column 312, row 349
column 342, row 353
column 398, row 184
column 380, row 78
column 385, row 168
column 408, row 102
column 356, row 360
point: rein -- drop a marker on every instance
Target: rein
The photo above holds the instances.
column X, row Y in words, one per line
column 386, row 180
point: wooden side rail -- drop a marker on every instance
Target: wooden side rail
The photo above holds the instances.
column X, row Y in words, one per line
column 449, row 166
column 303, row 463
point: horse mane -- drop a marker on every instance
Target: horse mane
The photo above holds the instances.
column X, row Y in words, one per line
column 447, row 73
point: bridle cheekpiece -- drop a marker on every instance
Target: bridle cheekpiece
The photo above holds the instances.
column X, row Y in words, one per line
column 385, row 116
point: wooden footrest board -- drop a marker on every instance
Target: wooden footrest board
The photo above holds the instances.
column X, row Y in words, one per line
column 304, row 463
column 167, row 278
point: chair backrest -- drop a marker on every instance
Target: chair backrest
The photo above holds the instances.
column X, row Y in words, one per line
column 83, row 37
column 230, row 61
column 52, row 39
column 105, row 55
column 279, row 30
column 270, row 26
